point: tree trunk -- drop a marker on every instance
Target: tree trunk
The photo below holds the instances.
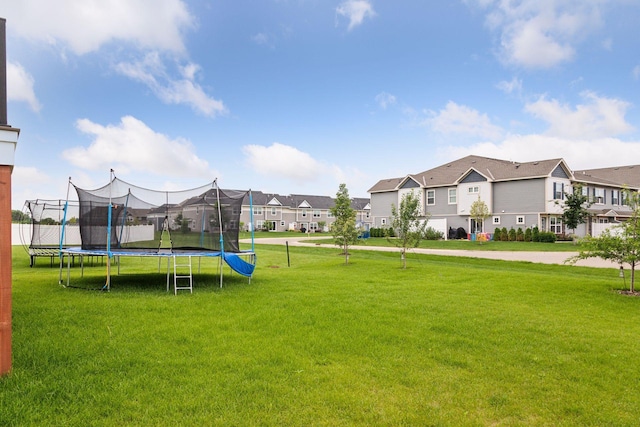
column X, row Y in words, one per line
column 404, row 259
column 632, row 287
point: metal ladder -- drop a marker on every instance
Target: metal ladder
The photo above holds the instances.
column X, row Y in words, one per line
column 183, row 276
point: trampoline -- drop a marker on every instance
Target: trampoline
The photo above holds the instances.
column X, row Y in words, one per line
column 121, row 220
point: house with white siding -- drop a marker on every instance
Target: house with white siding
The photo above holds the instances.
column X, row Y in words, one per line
column 518, row 194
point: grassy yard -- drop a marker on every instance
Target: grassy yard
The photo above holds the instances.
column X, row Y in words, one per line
column 474, row 246
column 448, row 342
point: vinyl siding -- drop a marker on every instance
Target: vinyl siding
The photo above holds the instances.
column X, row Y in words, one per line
column 519, row 196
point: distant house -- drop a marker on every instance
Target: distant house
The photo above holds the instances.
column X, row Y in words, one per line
column 518, row 195
column 296, row 212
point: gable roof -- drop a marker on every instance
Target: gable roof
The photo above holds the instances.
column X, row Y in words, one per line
column 619, row 175
column 494, row 169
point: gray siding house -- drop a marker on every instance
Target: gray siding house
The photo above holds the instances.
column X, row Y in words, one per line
column 296, row 212
column 518, row 195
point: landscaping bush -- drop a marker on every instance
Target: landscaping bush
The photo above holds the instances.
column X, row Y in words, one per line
column 497, row 234
column 504, row 235
column 519, row 235
column 535, row 234
column 512, row 234
column 547, row 237
column 433, row 234
column 527, row 235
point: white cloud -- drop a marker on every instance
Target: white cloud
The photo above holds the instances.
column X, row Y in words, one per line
column 20, row 86
column 598, row 117
column 85, row 26
column 152, row 72
column 385, row 99
column 263, row 39
column 460, row 119
column 515, row 85
column 133, row 146
column 283, row 161
column 356, row 11
column 636, row 72
column 541, row 34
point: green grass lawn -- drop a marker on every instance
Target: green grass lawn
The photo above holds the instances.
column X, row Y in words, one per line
column 448, row 341
column 472, row 245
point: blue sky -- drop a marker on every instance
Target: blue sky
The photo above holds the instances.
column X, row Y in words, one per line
column 298, row 96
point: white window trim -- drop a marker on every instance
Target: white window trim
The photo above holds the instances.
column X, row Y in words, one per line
column 520, row 220
column 433, row 192
column 496, row 220
column 453, row 191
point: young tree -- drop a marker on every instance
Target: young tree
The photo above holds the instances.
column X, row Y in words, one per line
column 479, row 211
column 408, row 225
column 343, row 228
column 575, row 208
column 620, row 244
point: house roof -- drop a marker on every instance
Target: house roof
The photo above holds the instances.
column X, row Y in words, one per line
column 494, row 169
column 295, row 201
column 620, row 176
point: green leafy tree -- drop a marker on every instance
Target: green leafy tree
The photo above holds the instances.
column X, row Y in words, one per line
column 575, row 208
column 479, row 211
column 620, row 244
column 19, row 216
column 343, row 227
column 408, row 225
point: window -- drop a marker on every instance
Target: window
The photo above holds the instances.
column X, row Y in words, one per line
column 281, row 223
column 474, row 190
column 329, row 214
column 316, row 213
column 520, row 220
column 453, row 196
column 313, row 226
column 367, row 214
column 496, row 220
column 598, row 196
column 257, row 210
column 555, row 224
column 558, row 191
column 431, row 197
column 615, row 197
column 303, row 213
column 259, row 224
column 274, row 211
column 383, row 221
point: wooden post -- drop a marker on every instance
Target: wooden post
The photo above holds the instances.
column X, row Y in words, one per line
column 5, row 269
column 8, row 142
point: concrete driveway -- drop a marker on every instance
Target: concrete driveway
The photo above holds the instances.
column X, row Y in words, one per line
column 536, row 257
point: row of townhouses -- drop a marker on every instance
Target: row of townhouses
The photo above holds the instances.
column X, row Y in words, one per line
column 275, row 212
column 261, row 212
column 518, row 195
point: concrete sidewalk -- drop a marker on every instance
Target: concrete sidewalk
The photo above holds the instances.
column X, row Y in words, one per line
column 535, row 257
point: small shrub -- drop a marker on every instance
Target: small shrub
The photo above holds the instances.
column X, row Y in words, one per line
column 504, row 235
column 527, row 235
column 432, row 234
column 512, row 234
column 519, row 235
column 547, row 237
column 535, row 234
column 497, row 234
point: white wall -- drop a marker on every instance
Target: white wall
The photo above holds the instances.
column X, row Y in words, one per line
column 50, row 234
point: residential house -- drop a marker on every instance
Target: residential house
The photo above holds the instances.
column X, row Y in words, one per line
column 518, row 195
column 296, row 212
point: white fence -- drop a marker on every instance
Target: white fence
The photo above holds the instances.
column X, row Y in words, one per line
column 50, row 234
